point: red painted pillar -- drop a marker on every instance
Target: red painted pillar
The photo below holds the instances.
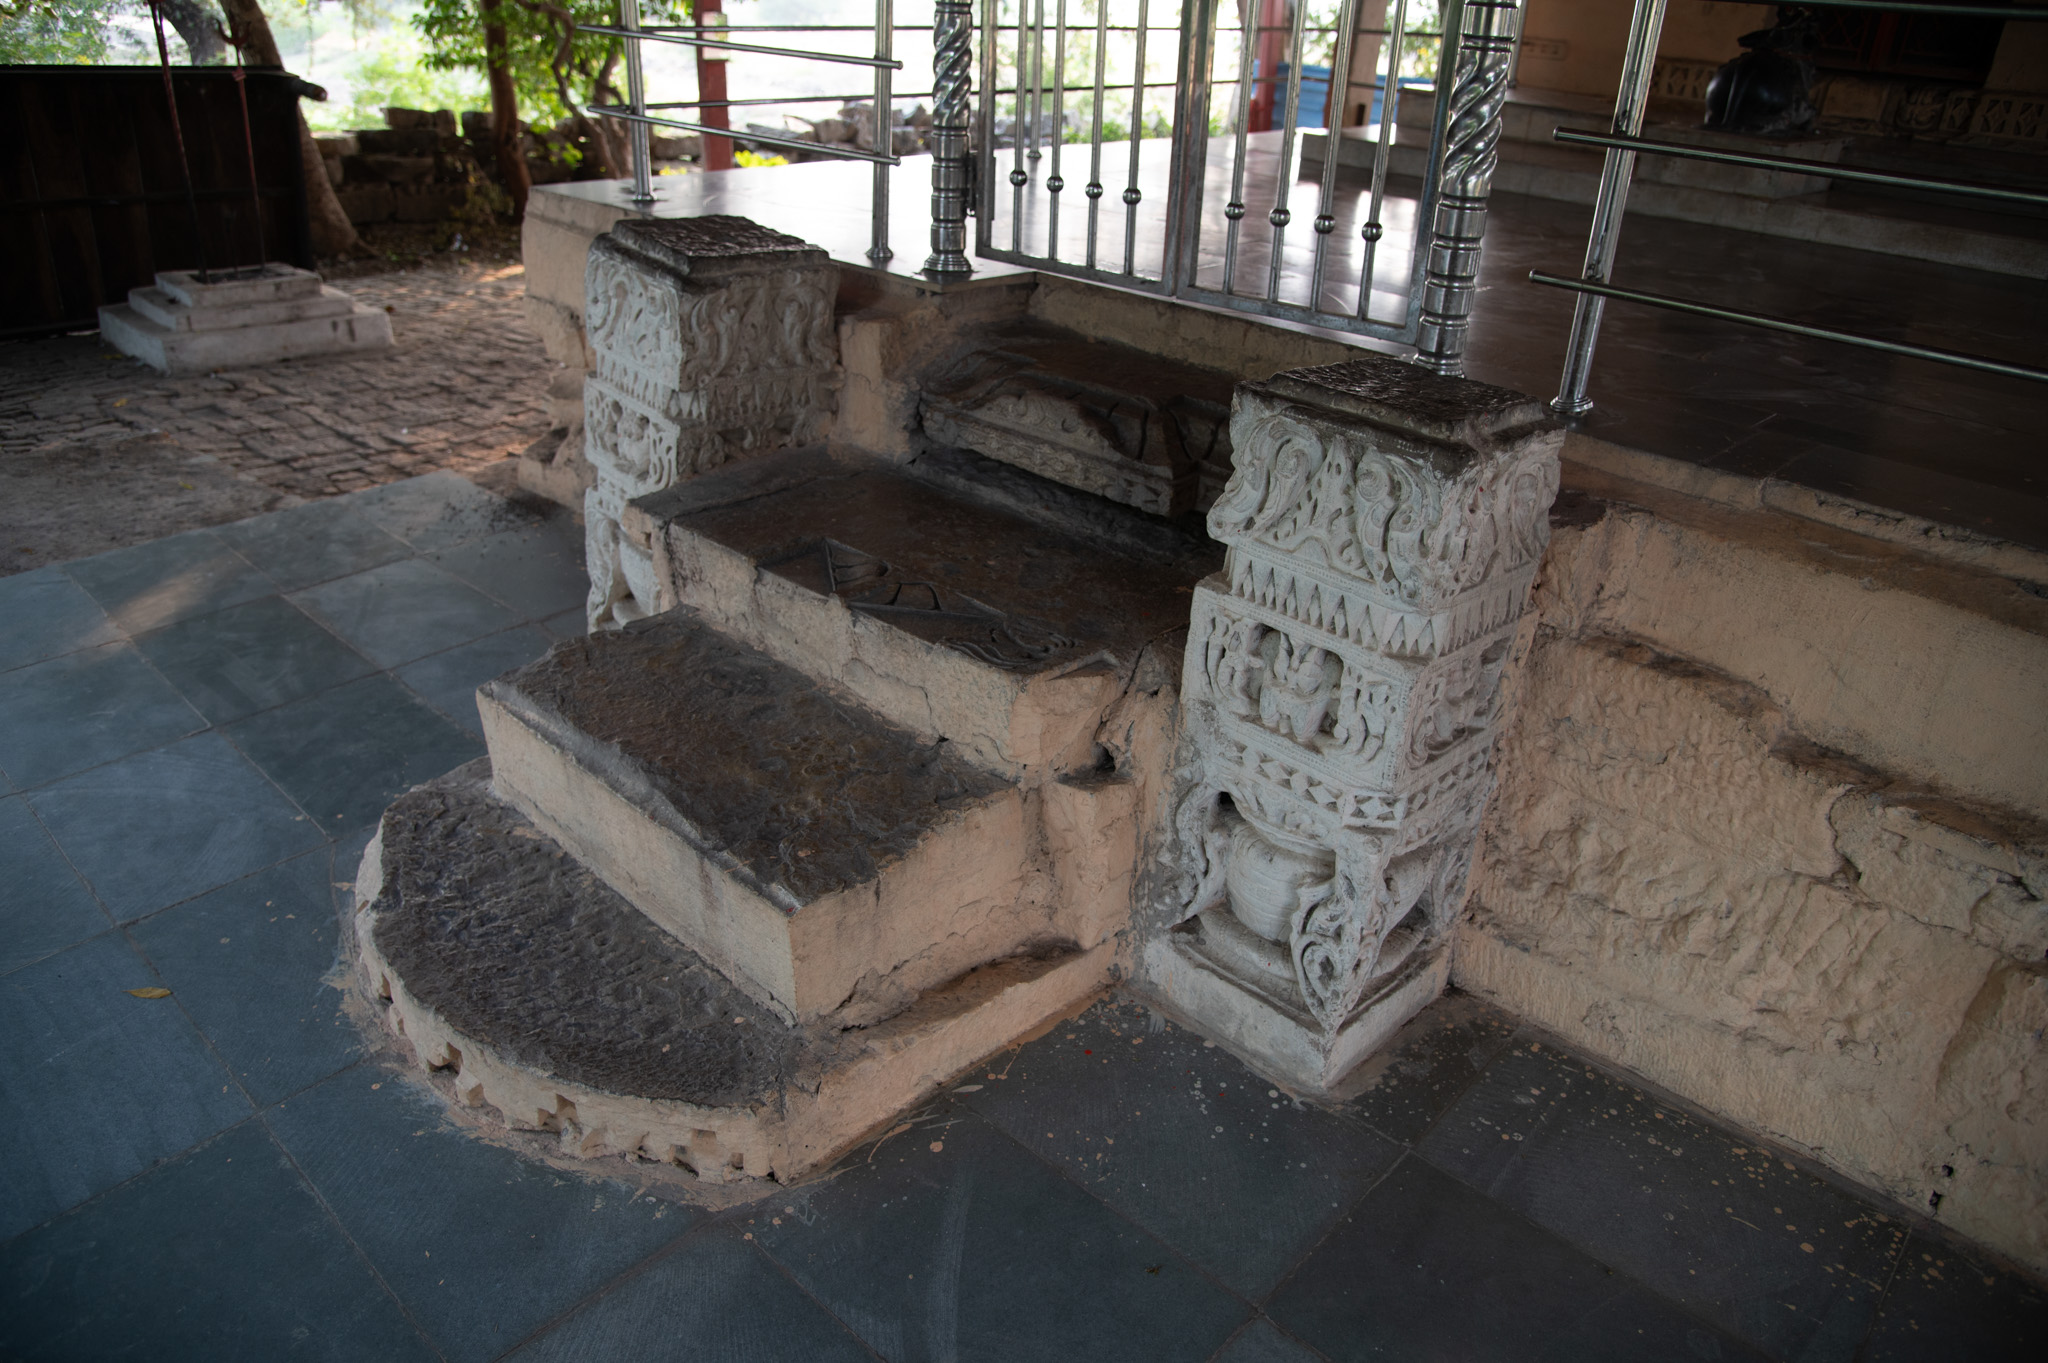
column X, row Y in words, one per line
column 711, row 86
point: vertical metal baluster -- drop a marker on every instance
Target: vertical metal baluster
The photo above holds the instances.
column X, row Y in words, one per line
column 1037, row 77
column 1609, row 204
column 984, row 166
column 885, row 38
column 1465, row 176
column 1018, row 177
column 1234, row 210
column 1280, row 215
column 1132, row 194
column 1054, row 183
column 1390, row 107
column 1336, row 97
column 636, row 96
column 952, row 62
column 1094, row 189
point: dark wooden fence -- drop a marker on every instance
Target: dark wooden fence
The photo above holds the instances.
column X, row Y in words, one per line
column 92, row 197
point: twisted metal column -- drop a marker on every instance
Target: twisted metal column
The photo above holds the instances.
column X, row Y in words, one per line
column 1464, row 178
column 952, row 174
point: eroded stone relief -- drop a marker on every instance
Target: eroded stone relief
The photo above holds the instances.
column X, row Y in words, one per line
column 1340, row 697
column 713, row 340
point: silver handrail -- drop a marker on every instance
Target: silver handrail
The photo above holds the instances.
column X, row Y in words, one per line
column 1626, row 141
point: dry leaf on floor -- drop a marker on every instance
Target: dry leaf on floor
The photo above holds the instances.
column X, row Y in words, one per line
column 153, row 992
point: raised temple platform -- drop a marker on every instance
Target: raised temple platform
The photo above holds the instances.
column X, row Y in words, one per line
column 238, row 317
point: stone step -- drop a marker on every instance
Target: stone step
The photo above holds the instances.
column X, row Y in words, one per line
column 832, row 865
column 161, row 308
column 169, row 351
column 518, row 976
column 930, row 593
column 271, row 283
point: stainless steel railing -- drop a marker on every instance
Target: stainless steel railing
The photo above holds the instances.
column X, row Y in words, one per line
column 1625, row 142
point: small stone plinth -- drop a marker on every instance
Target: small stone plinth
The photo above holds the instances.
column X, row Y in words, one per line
column 236, row 318
column 510, row 968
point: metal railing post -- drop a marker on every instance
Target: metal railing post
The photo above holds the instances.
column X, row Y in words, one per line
column 1638, row 64
column 1464, row 177
column 952, row 79
column 885, row 126
column 636, row 96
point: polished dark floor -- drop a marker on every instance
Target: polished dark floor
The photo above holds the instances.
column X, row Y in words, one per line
column 1946, row 444
column 196, row 736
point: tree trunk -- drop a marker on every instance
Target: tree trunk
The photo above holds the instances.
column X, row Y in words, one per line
column 196, row 25
column 333, row 234
column 504, row 111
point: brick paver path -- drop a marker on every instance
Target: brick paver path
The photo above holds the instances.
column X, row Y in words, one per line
column 464, row 384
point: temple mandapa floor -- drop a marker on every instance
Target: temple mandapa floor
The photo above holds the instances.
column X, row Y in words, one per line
column 196, row 737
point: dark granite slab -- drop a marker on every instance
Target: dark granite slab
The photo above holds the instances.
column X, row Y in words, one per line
column 793, row 790
column 1013, row 591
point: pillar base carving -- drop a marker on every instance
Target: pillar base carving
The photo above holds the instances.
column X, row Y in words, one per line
column 1340, row 696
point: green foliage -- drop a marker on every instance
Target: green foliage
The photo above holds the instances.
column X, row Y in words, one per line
column 55, row 32
column 392, row 75
column 595, row 71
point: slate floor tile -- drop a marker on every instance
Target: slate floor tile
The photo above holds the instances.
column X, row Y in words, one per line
column 536, row 571
column 250, row 657
column 250, row 963
column 448, row 681
column 221, row 1254
column 568, row 625
column 95, row 1084
column 85, row 708
column 303, row 545
column 957, row 1243
column 1774, row 1256
column 1427, row 1269
column 1185, row 1141
column 48, row 614
column 147, row 586
column 438, row 511
column 1402, row 1091
column 43, row 905
column 162, row 826
column 404, row 610
column 713, row 1299
column 344, row 754
column 483, row 1247
column 1262, row 1342
column 1944, row 1305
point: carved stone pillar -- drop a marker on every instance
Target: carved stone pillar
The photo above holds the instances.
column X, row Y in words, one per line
column 1339, row 702
column 713, row 340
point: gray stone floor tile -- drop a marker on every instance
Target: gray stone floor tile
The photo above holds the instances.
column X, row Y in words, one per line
column 1943, row 1305
column 1776, row 1257
column 404, row 610
column 312, row 543
column 712, row 1299
column 568, row 625
column 251, row 964
column 1426, row 1268
column 48, row 614
column 151, row 585
column 222, row 1254
column 536, row 571
column 438, row 511
column 85, row 708
column 1185, row 1141
column 448, row 681
column 162, row 826
column 345, row 753
column 95, row 1084
column 250, row 657
column 1408, row 1086
column 1262, row 1342
column 482, row 1246
column 954, row 1242
column 43, row 907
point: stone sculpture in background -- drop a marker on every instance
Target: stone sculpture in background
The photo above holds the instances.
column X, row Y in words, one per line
column 713, row 340
column 1340, row 698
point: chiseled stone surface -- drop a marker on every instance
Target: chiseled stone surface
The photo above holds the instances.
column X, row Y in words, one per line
column 1837, row 943
column 1340, row 697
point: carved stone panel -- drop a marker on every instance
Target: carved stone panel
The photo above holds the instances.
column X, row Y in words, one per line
column 712, row 340
column 1340, row 699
